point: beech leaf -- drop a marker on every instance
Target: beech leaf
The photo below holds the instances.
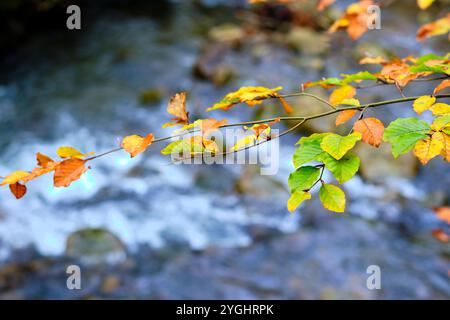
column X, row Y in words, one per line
column 371, row 130
column 136, row 144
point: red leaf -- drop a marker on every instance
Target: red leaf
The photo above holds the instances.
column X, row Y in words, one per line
column 18, row 190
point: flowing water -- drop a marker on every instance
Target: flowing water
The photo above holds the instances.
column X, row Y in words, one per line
column 196, row 231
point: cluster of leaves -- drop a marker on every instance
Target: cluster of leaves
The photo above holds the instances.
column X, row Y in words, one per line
column 443, row 214
column 395, row 71
column 332, row 151
column 315, row 153
column 70, row 168
column 357, row 17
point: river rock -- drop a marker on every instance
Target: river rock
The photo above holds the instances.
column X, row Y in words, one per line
column 96, row 245
column 211, row 65
column 378, row 163
column 307, row 41
column 251, row 182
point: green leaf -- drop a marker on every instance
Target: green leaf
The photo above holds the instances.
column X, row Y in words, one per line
column 404, row 133
column 309, row 149
column 363, row 75
column 437, row 68
column 351, row 102
column 314, row 137
column 337, row 145
column 428, row 57
column 328, row 81
column 332, row 197
column 296, row 199
column 172, row 147
column 307, row 152
column 402, row 126
column 406, row 143
column 343, row 169
column 303, row 178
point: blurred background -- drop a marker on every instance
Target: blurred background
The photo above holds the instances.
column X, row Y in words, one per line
column 143, row 228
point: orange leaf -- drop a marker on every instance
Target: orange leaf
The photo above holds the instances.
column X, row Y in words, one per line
column 371, row 130
column 177, row 107
column 210, row 125
column 46, row 165
column 322, row 4
column 43, row 160
column 18, row 190
column 68, row 171
column 435, row 28
column 344, row 116
column 443, row 213
column 440, row 235
column 354, row 20
column 136, row 144
column 444, row 84
column 287, row 107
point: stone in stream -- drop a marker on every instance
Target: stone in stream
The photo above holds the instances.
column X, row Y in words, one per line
column 378, row 163
column 96, row 245
column 307, row 41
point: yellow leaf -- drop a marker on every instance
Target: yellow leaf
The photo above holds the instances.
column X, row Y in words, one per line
column 296, row 199
column 246, row 141
column 342, row 93
column 69, row 152
column 372, row 60
column 136, row 144
column 427, row 149
column 250, row 95
column 423, row 4
column 15, row 177
column 423, row 103
column 440, row 109
column 445, row 153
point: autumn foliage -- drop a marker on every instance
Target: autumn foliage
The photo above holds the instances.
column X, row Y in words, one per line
column 315, row 153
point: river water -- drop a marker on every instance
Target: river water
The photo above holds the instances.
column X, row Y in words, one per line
column 198, row 231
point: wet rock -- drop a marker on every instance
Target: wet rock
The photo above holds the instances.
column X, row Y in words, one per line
column 251, row 182
column 151, row 96
column 228, row 33
column 94, row 246
column 307, row 41
column 110, row 284
column 212, row 66
column 378, row 163
column 215, row 178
